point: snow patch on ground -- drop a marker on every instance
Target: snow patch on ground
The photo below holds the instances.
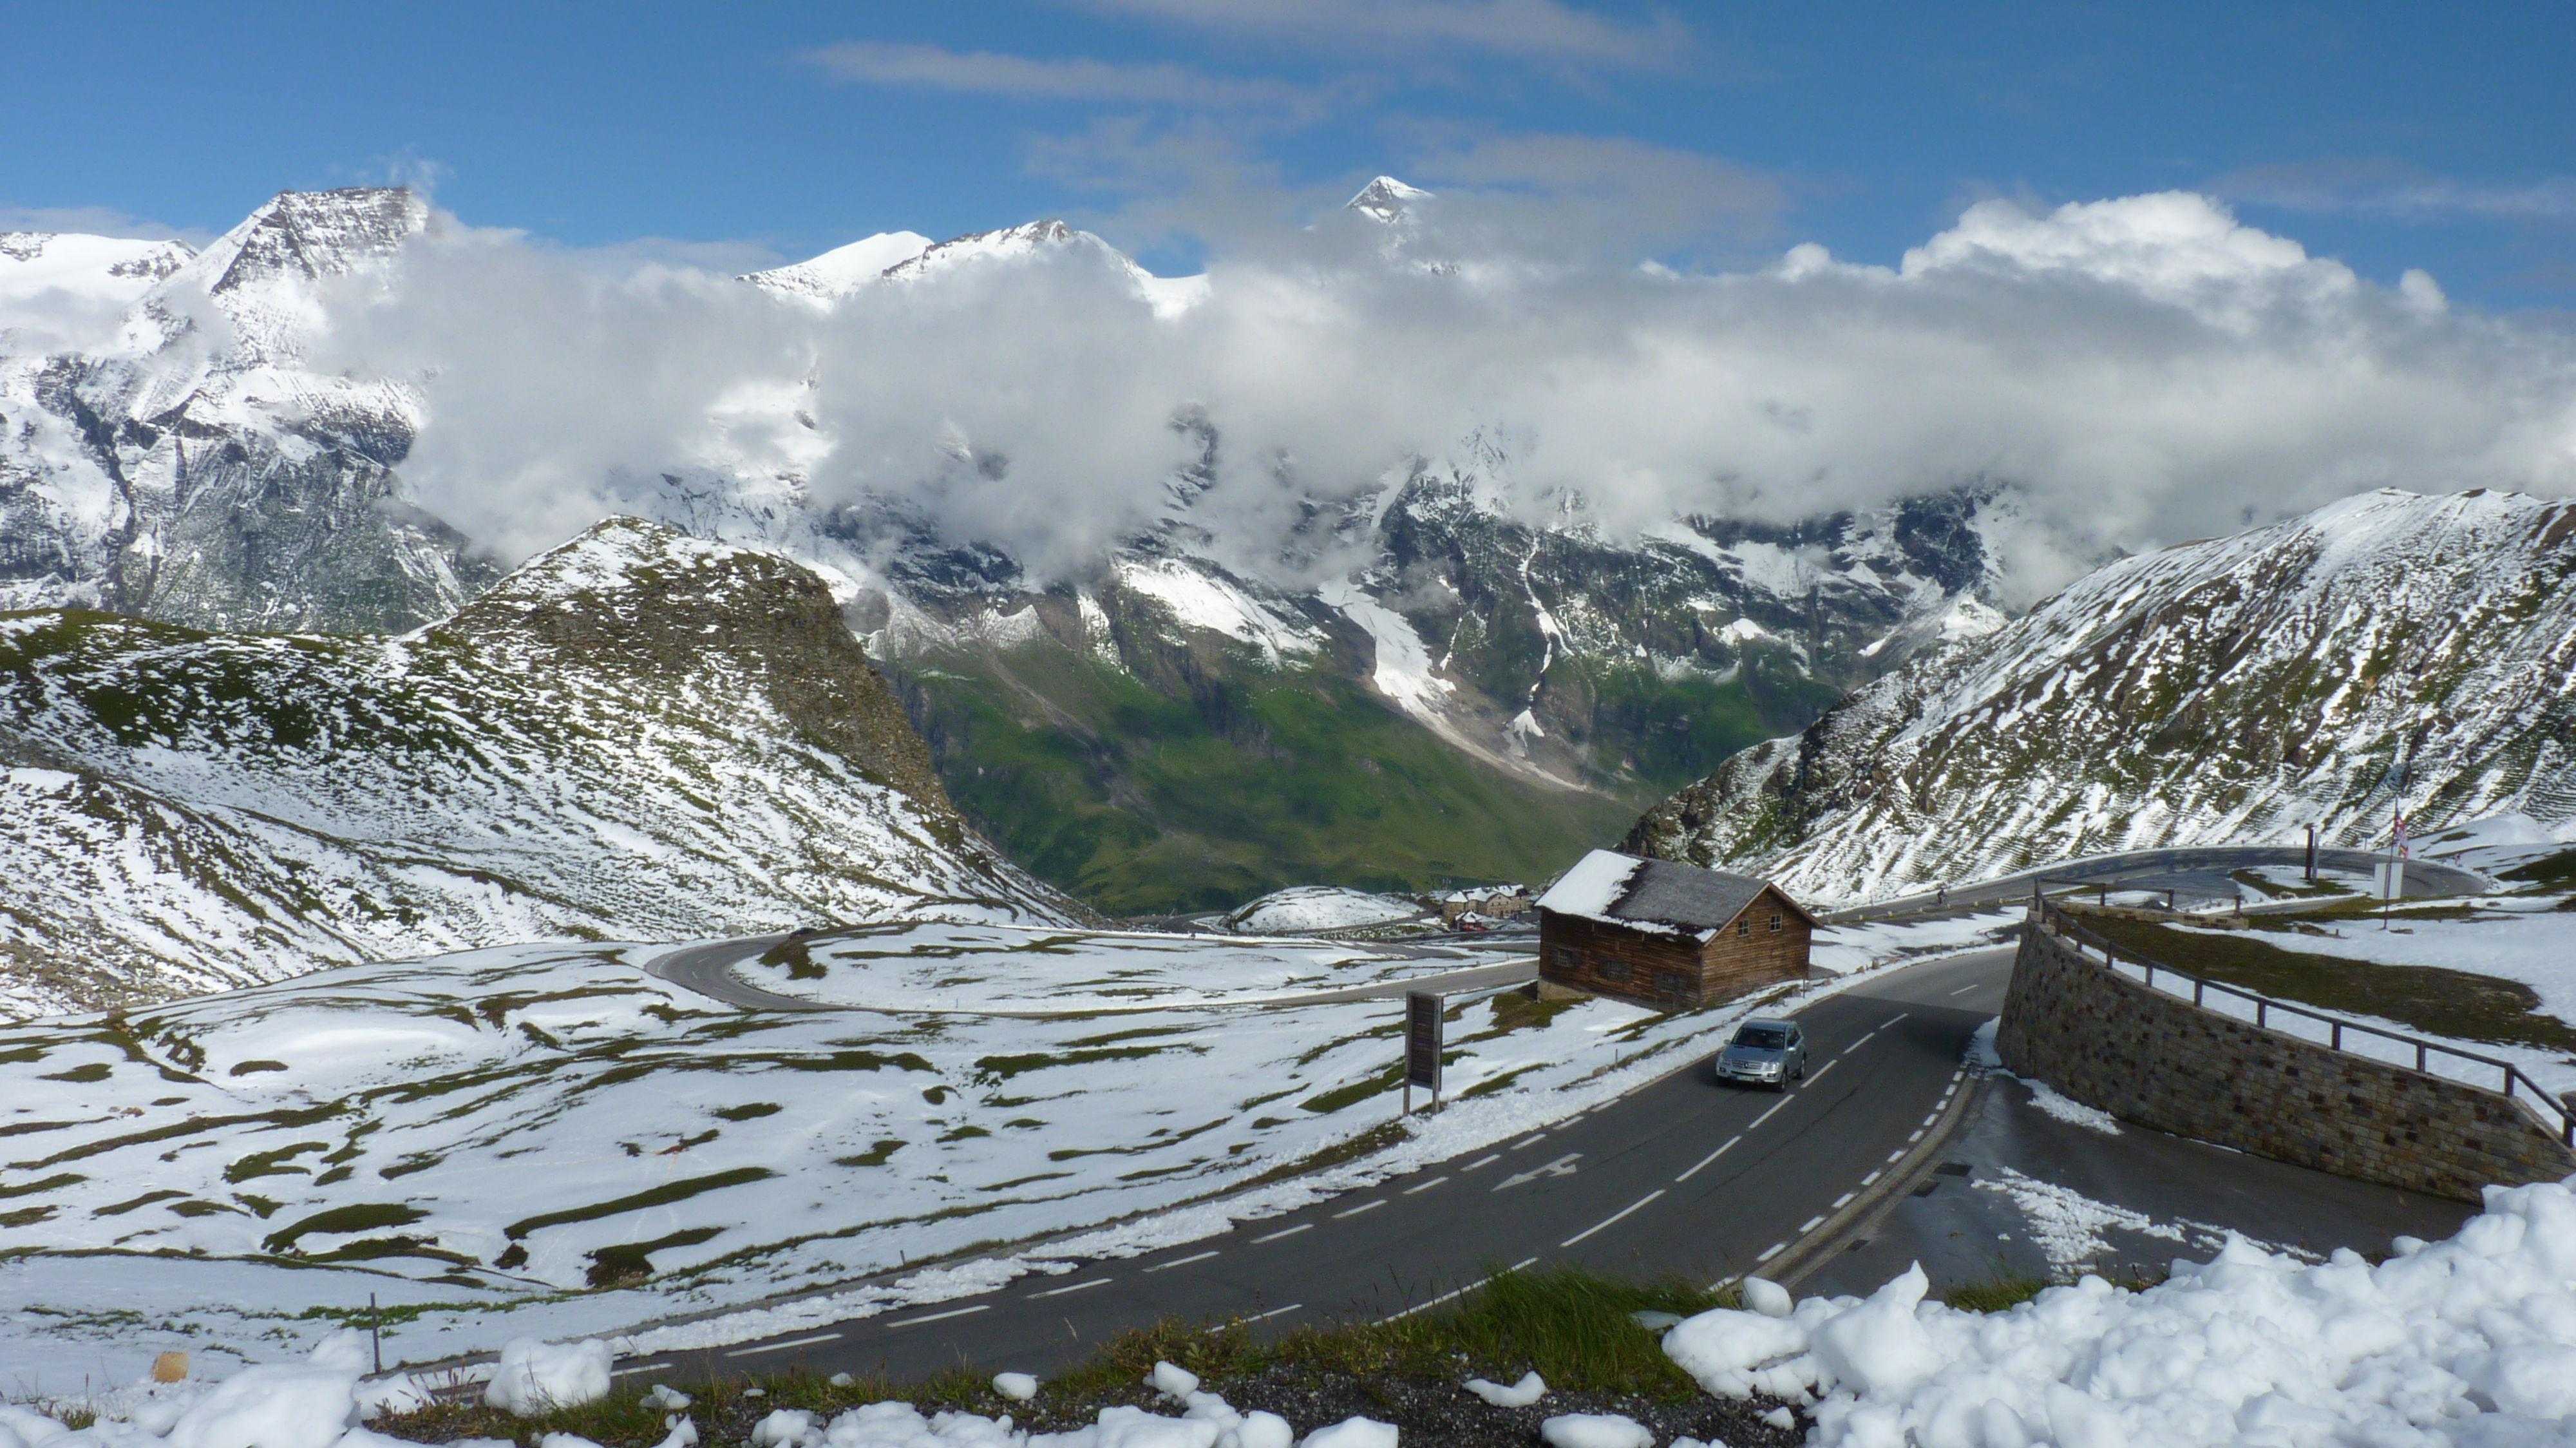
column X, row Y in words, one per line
column 2067, row 1109
column 461, row 1071
column 937, row 966
column 1302, row 909
column 2068, row 1224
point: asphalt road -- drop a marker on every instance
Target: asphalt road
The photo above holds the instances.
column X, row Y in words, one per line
column 2196, row 870
column 1683, row 1175
column 708, row 970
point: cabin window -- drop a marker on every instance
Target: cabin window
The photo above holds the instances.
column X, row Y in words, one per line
column 1744, row 926
column 1672, row 983
column 1775, row 922
column 1613, row 968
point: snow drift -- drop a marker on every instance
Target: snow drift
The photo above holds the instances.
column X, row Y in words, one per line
column 2469, row 1341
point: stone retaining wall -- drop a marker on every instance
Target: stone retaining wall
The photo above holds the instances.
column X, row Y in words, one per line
column 2162, row 1062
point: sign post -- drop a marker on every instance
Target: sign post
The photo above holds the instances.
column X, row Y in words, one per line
column 1422, row 1011
column 2396, row 867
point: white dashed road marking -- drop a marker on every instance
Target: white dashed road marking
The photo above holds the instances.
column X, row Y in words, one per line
column 942, row 1316
column 1712, row 1156
column 1425, row 1186
column 784, row 1346
column 1181, row 1261
column 1362, row 1207
column 1077, row 1287
column 1588, row 1231
column 1460, row 1292
column 1287, row 1232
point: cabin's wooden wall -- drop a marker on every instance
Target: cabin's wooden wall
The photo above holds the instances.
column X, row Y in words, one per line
column 1733, row 963
column 1672, row 970
column 1612, row 960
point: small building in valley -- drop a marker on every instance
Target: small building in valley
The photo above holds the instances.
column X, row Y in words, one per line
column 1493, row 902
column 1668, row 935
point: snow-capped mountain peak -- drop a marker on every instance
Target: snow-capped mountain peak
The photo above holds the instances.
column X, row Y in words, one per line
column 1385, row 199
column 312, row 234
column 1029, row 238
column 844, row 269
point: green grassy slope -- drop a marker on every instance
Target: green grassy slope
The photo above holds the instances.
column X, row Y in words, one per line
column 1139, row 802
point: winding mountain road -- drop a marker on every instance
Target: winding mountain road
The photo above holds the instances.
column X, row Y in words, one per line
column 1682, row 1175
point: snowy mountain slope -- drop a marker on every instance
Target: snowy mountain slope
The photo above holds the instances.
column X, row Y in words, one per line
column 837, row 273
column 2386, row 652
column 1461, row 692
column 195, row 470
column 59, row 292
column 636, row 734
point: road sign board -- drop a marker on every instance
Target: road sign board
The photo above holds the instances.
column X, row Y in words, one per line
column 1422, row 1040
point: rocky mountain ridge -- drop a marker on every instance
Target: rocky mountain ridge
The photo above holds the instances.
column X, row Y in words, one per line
column 638, row 735
column 2390, row 652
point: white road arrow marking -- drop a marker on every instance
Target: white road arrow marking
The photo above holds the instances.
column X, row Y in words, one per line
column 1563, row 1166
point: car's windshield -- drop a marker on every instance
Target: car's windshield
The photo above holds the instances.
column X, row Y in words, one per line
column 1762, row 1038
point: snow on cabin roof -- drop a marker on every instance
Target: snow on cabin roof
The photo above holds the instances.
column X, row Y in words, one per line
column 1652, row 894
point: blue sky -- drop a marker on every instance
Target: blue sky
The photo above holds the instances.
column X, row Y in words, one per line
column 2389, row 136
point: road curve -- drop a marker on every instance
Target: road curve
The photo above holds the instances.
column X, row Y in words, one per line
column 2424, row 878
column 1682, row 1175
column 708, row 969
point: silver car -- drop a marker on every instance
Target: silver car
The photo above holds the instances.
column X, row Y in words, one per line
column 1766, row 1051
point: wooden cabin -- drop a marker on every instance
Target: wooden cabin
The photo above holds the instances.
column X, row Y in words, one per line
column 1668, row 935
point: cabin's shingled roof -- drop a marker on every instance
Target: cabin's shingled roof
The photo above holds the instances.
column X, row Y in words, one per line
column 1655, row 894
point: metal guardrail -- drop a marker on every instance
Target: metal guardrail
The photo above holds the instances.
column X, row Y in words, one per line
column 2174, row 896
column 2049, row 916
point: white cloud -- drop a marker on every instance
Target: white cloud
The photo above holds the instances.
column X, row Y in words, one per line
column 2395, row 190
column 2146, row 367
column 1533, row 29
column 1059, row 78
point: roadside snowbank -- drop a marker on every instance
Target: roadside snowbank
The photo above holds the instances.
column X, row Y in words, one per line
column 322, row 1404
column 1862, row 945
column 2465, row 1343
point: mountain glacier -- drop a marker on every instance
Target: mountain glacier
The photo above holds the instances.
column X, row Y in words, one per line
column 2390, row 652
column 638, row 733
